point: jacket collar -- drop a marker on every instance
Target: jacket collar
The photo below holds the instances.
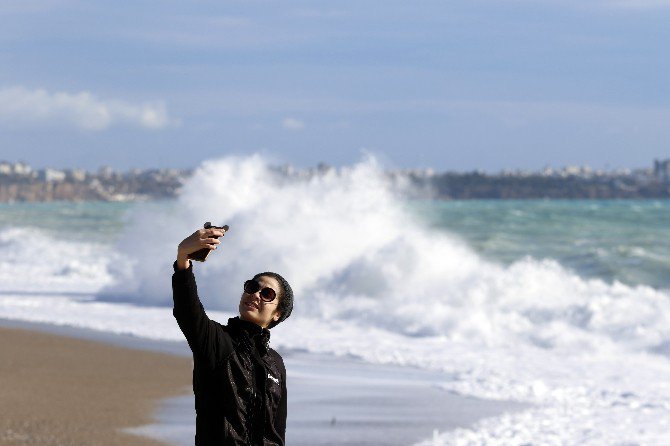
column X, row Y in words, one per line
column 260, row 335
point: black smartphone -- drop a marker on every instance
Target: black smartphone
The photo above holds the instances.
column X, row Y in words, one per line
column 201, row 254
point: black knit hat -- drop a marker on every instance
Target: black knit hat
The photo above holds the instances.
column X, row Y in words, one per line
column 285, row 305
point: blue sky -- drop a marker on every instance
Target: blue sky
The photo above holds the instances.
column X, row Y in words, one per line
column 453, row 85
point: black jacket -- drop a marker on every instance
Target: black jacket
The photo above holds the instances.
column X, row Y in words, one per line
column 238, row 381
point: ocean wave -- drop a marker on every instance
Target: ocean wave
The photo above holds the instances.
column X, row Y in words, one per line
column 374, row 281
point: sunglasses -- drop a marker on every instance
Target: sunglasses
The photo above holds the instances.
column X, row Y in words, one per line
column 267, row 294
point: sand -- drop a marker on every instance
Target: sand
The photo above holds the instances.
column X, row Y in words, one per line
column 58, row 390
column 67, row 386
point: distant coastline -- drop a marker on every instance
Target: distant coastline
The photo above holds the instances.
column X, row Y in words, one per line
column 21, row 183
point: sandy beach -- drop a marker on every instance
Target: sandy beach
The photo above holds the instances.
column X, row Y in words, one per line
column 58, row 390
column 66, row 386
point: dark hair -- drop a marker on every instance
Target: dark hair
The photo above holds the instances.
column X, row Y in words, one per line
column 285, row 305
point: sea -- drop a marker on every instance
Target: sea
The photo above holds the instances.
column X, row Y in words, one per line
column 563, row 305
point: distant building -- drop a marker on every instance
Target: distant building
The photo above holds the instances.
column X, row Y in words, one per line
column 662, row 170
column 548, row 171
column 286, row 169
column 105, row 172
column 324, row 168
column 21, row 169
column 49, row 175
column 75, row 175
column 16, row 169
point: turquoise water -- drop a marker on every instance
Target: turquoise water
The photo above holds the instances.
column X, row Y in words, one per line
column 83, row 221
column 80, row 221
column 624, row 240
column 627, row 241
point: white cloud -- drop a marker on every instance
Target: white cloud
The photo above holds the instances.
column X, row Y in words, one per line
column 19, row 105
column 292, row 124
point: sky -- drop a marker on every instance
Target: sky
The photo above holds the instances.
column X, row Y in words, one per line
column 450, row 85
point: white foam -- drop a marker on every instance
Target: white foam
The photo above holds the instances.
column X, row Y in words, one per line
column 373, row 282
column 31, row 261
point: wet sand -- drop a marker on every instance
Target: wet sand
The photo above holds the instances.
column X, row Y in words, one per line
column 340, row 401
column 57, row 390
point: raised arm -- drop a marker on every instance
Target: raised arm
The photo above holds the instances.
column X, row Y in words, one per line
column 204, row 336
column 202, row 238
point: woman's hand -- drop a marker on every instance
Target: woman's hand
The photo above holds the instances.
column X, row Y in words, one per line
column 202, row 238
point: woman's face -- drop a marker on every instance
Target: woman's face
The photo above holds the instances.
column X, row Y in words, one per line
column 254, row 309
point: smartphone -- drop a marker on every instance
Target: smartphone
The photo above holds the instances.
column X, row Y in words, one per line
column 201, row 254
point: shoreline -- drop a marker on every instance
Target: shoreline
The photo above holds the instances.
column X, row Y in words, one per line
column 60, row 390
column 332, row 400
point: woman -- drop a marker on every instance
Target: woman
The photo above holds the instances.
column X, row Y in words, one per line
column 238, row 381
